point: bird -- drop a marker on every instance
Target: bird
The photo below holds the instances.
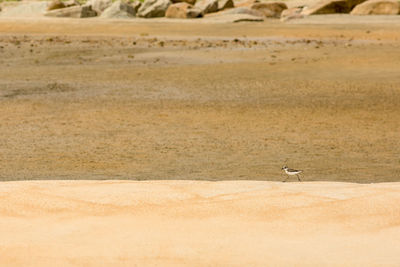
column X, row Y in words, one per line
column 291, row 172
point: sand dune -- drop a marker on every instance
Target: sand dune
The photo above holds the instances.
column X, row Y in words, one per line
column 197, row 223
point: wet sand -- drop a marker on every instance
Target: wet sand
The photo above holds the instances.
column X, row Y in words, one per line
column 94, row 99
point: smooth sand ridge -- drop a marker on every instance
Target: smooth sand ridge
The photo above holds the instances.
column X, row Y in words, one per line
column 198, row 223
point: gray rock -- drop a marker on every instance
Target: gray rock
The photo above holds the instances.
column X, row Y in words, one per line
column 72, row 12
column 119, row 10
column 153, row 8
column 99, row 5
column 207, row 6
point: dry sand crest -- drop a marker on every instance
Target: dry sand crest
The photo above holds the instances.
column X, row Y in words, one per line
column 118, row 100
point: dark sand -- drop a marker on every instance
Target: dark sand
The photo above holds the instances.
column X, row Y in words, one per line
column 91, row 99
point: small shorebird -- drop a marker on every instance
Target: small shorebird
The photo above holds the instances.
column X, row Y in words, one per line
column 291, row 172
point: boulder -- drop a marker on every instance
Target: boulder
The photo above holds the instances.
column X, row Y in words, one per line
column 119, row 10
column 192, row 2
column 245, row 3
column 136, row 5
column 377, row 7
column 207, row 6
column 183, row 10
column 25, row 9
column 153, row 8
column 292, row 13
column 70, row 3
column 72, row 12
column 55, row 4
column 269, row 9
column 99, row 5
column 332, row 7
column 224, row 4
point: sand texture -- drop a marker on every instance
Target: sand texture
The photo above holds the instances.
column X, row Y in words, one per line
column 198, row 223
column 158, row 99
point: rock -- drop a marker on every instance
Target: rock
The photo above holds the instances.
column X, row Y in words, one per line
column 55, row 4
column 136, row 5
column 119, row 10
column 27, row 9
column 207, row 6
column 183, row 10
column 153, row 8
column 224, row 4
column 70, row 3
column 332, row 7
column 72, row 12
column 292, row 13
column 377, row 7
column 327, row 7
column 192, row 2
column 99, row 5
column 245, row 3
column 270, row 9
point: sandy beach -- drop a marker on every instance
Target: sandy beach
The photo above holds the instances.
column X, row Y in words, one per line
column 160, row 142
column 198, row 223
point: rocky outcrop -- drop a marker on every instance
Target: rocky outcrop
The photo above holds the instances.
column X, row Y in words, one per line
column 55, row 4
column 332, row 7
column 224, row 4
column 269, row 9
column 207, row 6
column 183, row 10
column 377, row 7
column 72, row 12
column 70, row 3
column 136, row 5
column 26, row 9
column 153, row 8
column 119, row 10
column 245, row 3
column 99, row 5
column 192, row 2
column 292, row 13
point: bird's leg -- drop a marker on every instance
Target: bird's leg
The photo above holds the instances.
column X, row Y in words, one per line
column 298, row 177
column 285, row 179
